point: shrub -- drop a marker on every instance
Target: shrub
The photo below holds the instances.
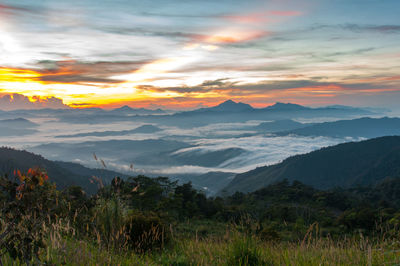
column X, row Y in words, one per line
column 146, row 232
column 244, row 250
column 109, row 223
column 28, row 209
column 269, row 234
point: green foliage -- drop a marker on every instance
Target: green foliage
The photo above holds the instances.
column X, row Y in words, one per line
column 109, row 227
column 269, row 234
column 245, row 250
column 157, row 221
column 28, row 208
column 146, row 232
column 345, row 165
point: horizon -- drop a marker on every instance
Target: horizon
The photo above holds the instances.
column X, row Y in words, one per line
column 183, row 56
column 163, row 108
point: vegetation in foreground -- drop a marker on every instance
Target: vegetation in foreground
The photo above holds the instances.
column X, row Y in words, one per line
column 145, row 221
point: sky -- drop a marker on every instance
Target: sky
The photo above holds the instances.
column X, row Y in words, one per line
column 185, row 54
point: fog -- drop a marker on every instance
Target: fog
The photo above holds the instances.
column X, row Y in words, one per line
column 168, row 146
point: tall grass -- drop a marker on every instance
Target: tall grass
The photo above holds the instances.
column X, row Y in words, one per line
column 232, row 249
column 240, row 251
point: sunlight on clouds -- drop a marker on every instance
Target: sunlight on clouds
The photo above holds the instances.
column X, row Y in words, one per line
column 7, row 43
column 99, row 55
column 232, row 36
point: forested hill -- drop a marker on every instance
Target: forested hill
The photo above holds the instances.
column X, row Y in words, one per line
column 361, row 127
column 63, row 174
column 344, row 165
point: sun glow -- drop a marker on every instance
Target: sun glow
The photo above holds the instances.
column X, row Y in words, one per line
column 32, row 83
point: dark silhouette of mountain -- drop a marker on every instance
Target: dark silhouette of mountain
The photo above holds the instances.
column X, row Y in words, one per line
column 210, row 182
column 63, row 174
column 226, row 112
column 126, row 110
column 145, row 129
column 227, row 106
column 232, row 112
column 231, row 106
column 208, row 158
column 344, row 165
column 278, row 125
column 362, row 127
column 286, row 107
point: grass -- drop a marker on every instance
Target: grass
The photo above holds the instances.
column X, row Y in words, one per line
column 234, row 249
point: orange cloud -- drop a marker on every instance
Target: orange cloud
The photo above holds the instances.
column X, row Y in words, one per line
column 18, row 101
column 231, row 36
column 17, row 75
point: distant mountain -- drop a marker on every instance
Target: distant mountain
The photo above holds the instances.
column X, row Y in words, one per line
column 344, row 165
column 231, row 106
column 145, row 152
column 145, row 129
column 63, row 174
column 371, row 109
column 210, row 182
column 207, row 158
column 226, row 112
column 17, row 127
column 227, row 106
column 151, row 155
column 232, row 112
column 278, row 125
column 126, row 110
column 339, row 106
column 363, row 127
column 18, row 123
column 286, row 107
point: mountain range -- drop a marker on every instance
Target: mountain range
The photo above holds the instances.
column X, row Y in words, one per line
column 345, row 165
column 365, row 127
column 17, row 127
column 226, row 112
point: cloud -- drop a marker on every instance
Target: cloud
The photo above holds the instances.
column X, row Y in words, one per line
column 262, row 17
column 71, row 71
column 18, row 101
column 359, row 28
column 225, row 85
column 303, row 91
column 372, row 28
column 227, row 36
column 260, row 151
column 11, row 9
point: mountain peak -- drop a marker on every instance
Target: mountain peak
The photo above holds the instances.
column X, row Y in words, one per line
column 230, row 105
column 286, row 106
column 228, row 102
column 124, row 108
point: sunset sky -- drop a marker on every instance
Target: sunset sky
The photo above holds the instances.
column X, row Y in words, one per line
column 184, row 54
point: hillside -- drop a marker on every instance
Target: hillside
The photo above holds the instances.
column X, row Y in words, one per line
column 361, row 127
column 278, row 126
column 145, row 129
column 63, row 174
column 344, row 165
